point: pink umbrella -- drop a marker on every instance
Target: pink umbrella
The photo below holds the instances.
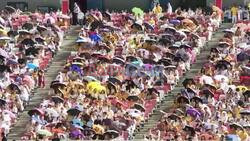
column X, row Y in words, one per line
column 28, row 80
column 4, row 53
column 51, row 19
column 12, row 115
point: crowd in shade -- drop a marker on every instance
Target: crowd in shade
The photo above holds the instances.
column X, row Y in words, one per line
column 123, row 65
column 215, row 104
column 28, row 42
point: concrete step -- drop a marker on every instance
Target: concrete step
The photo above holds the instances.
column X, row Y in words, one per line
column 19, row 127
column 167, row 102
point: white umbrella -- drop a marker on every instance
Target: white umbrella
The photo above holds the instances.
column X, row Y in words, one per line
column 220, row 77
column 52, row 112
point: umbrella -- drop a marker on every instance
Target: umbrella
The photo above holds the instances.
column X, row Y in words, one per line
column 137, row 11
column 41, row 28
column 107, row 15
column 181, row 99
column 86, row 55
column 4, row 68
column 170, row 29
column 208, row 92
column 57, row 99
column 242, row 57
column 78, row 59
column 73, row 111
column 196, row 99
column 118, row 60
column 28, row 42
column 215, row 50
column 224, row 44
column 188, row 128
column 149, row 61
column 89, row 78
column 115, row 80
column 211, row 86
column 2, row 102
column 21, row 61
column 83, row 40
column 247, row 93
column 32, row 66
column 35, row 111
column 44, row 132
column 12, row 33
column 175, row 22
column 4, row 53
column 165, row 61
column 137, row 26
column 228, row 31
column 195, row 36
column 131, row 58
column 5, row 38
column 39, row 40
column 27, row 26
column 23, row 32
column 96, row 24
column 104, row 46
column 133, row 98
column 14, row 87
column 236, row 126
column 245, row 112
column 32, row 51
column 57, row 85
column 174, row 46
column 186, row 46
column 170, row 67
column 174, row 117
column 112, row 134
column 188, row 81
column 77, row 122
column 10, row 9
column 148, row 26
column 165, row 41
column 95, row 37
column 139, row 107
column 193, row 112
column 52, row 112
column 103, row 59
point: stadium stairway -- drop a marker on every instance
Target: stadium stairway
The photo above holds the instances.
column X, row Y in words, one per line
column 20, row 126
column 168, row 100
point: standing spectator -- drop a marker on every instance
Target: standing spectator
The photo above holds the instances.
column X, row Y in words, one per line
column 41, row 79
column 227, row 15
column 75, row 13
column 234, row 11
column 240, row 16
column 245, row 14
column 80, row 18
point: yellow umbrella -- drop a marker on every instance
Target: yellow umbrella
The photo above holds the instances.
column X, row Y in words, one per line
column 101, row 88
column 92, row 85
column 98, row 129
column 241, row 88
column 3, row 32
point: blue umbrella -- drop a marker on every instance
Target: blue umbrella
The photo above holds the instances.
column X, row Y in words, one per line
column 77, row 122
column 95, row 37
column 32, row 66
column 76, row 68
column 175, row 22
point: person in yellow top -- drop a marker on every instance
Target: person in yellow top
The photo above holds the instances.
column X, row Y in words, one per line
column 234, row 11
column 242, row 134
column 157, row 9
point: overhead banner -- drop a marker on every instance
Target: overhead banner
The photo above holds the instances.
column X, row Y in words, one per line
column 65, row 6
column 219, row 3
